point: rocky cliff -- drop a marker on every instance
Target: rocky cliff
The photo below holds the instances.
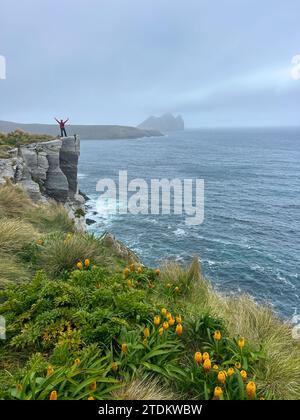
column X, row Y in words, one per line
column 48, row 170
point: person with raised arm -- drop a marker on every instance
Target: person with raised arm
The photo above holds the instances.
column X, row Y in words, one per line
column 62, row 125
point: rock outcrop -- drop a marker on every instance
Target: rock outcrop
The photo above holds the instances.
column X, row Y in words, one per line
column 48, row 170
column 166, row 122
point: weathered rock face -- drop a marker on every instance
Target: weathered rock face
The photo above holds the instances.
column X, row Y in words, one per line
column 47, row 170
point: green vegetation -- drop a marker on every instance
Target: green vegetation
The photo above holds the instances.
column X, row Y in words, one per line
column 17, row 138
column 84, row 324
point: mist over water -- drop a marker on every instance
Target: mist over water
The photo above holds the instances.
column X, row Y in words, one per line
column 250, row 238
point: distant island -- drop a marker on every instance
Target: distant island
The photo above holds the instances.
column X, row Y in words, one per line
column 166, row 122
column 91, row 132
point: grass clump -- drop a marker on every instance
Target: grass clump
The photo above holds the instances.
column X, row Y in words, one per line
column 17, row 138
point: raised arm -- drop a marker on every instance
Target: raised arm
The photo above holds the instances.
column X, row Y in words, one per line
column 66, row 121
column 57, row 120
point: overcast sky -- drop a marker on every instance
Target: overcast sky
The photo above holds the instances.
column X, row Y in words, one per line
column 216, row 62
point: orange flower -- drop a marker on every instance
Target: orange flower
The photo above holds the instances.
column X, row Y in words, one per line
column 217, row 392
column 91, row 398
column 129, row 283
column 198, row 357
column 93, row 386
column 87, row 263
column 50, row 370
column 157, row 271
column 177, row 289
column 165, row 325
column 139, row 270
column 132, row 268
column 124, row 348
column 206, row 355
column 168, row 316
column 77, row 362
column 230, row 371
column 126, row 272
column 238, row 365
column 171, row 321
column 178, row 329
column 168, row 285
column 222, row 377
column 164, row 311
column 160, row 331
column 241, row 342
column 40, row 242
column 217, row 335
column 207, row 365
column 156, row 320
column 251, row 390
column 146, row 332
column 178, row 319
column 243, row 375
column 79, row 265
column 215, row 367
column 53, row 396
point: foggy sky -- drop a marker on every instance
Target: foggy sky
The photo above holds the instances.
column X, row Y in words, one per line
column 217, row 62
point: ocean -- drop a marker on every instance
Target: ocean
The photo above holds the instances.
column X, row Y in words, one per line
column 250, row 238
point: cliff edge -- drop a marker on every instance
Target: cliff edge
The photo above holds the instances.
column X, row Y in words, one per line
column 48, row 169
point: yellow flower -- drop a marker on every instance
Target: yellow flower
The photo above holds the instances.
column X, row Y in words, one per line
column 165, row 325
column 207, row 365
column 146, row 332
column 139, row 270
column 126, row 272
column 91, row 398
column 124, row 348
column 129, row 283
column 157, row 271
column 164, row 311
column 114, row 366
column 218, row 392
column 215, row 367
column 243, row 374
column 132, row 268
column 168, row 316
column 93, row 386
column 178, row 329
column 168, row 285
column 241, row 342
column 171, row 321
column 177, row 289
column 178, row 319
column 87, row 263
column 50, row 370
column 156, row 320
column 198, row 357
column 206, row 355
column 160, row 331
column 53, row 396
column 222, row 377
column 238, row 365
column 79, row 265
column 217, row 335
column 251, row 390
column 230, row 371
column 77, row 362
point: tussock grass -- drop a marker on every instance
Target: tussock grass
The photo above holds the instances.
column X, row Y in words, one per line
column 13, row 201
column 50, row 217
column 146, row 388
column 11, row 270
column 61, row 253
column 15, row 234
